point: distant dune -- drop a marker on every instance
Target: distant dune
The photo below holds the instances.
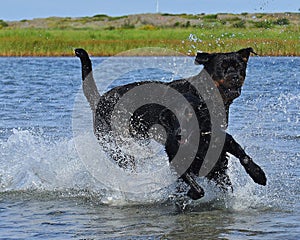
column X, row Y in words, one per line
column 102, row 21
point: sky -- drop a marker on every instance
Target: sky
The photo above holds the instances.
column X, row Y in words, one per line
column 29, row 9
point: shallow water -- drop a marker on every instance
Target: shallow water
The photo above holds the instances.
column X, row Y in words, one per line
column 47, row 192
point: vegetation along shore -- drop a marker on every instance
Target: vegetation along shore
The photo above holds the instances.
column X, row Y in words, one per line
column 269, row 34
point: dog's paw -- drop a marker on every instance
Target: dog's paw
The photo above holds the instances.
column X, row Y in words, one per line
column 194, row 194
column 196, row 191
column 255, row 172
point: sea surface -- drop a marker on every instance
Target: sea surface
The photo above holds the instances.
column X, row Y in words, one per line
column 48, row 192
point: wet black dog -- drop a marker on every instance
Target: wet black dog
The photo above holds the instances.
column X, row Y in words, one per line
column 228, row 71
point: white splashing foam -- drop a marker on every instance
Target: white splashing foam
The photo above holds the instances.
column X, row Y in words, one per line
column 28, row 161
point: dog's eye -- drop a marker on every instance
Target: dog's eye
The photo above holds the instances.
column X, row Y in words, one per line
column 235, row 65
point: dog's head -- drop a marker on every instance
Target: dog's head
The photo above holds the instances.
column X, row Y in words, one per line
column 228, row 70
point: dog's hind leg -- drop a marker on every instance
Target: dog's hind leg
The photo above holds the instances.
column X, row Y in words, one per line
column 222, row 180
column 219, row 173
column 114, row 151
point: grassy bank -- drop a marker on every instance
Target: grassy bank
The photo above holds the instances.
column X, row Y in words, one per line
column 272, row 40
column 42, row 42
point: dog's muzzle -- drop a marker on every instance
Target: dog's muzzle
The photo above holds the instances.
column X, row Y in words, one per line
column 232, row 86
column 232, row 93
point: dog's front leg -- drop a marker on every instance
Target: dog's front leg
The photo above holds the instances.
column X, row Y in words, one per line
column 196, row 192
column 254, row 171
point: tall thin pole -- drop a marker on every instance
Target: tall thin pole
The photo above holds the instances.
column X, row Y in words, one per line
column 157, row 6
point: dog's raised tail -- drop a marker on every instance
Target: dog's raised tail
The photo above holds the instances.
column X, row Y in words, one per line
column 88, row 82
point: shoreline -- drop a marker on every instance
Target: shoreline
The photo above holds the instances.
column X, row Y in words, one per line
column 108, row 56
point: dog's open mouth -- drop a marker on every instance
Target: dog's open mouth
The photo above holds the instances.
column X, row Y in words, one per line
column 182, row 141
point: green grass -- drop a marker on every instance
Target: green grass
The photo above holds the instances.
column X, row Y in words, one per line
column 276, row 41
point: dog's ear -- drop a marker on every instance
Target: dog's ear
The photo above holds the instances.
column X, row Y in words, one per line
column 245, row 53
column 203, row 58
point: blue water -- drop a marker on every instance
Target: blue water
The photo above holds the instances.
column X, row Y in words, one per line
column 47, row 192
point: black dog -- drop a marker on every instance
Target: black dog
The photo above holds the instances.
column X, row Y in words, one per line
column 228, row 70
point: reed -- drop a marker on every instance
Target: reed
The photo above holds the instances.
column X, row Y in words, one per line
column 278, row 41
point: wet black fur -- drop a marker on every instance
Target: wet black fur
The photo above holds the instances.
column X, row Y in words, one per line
column 228, row 70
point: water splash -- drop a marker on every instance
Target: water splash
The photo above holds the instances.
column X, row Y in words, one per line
column 30, row 162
